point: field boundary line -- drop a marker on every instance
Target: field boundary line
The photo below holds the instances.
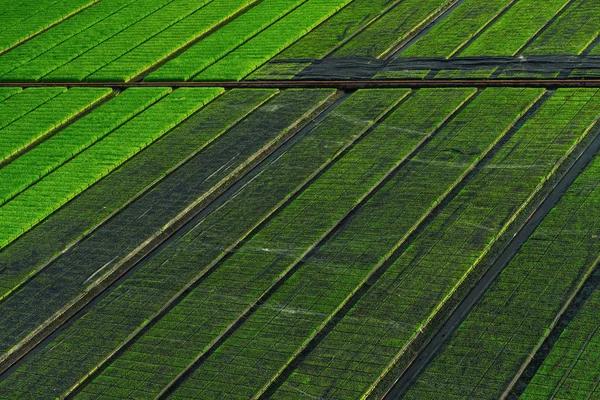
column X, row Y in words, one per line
column 139, row 194
column 395, row 252
column 193, row 42
column 456, row 315
column 46, row 28
column 153, row 242
column 422, row 29
column 221, row 200
column 294, row 265
column 345, row 85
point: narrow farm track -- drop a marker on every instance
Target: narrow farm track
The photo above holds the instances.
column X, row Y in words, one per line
column 141, row 250
column 345, row 85
column 578, row 164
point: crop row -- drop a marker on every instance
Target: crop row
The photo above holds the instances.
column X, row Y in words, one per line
column 571, row 368
column 509, row 34
column 14, row 107
column 392, row 28
column 170, row 40
column 457, row 29
column 63, row 43
column 42, row 121
column 87, row 211
column 256, row 51
column 273, row 336
column 7, row 92
column 145, row 292
column 33, row 17
column 322, row 40
column 217, row 165
column 40, row 200
column 78, row 136
column 224, row 40
column 125, row 41
column 498, row 335
column 293, row 231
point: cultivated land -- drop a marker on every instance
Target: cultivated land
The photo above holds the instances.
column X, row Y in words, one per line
column 167, row 231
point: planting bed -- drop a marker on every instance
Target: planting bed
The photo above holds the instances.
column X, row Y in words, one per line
column 245, row 199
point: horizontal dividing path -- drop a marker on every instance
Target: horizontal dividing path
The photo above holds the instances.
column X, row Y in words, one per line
column 334, row 84
column 578, row 164
column 76, row 277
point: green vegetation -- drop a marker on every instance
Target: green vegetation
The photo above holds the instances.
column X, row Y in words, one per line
column 46, row 55
column 40, row 200
column 67, row 143
column 571, row 33
column 131, row 36
column 59, row 34
column 218, row 165
column 42, row 121
column 146, row 291
column 453, row 32
column 517, row 311
column 509, row 35
column 570, row 370
column 15, row 107
column 28, row 19
column 513, row 30
column 7, row 92
column 391, row 29
column 271, row 337
column 170, row 40
column 281, row 240
column 223, row 41
column 96, row 204
column 256, row 51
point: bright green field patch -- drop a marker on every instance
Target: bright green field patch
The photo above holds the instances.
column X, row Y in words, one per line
column 32, row 128
column 223, row 41
column 255, row 52
column 69, row 142
column 24, row 102
column 40, row 200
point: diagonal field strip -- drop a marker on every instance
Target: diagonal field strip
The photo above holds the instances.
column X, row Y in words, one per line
column 224, row 181
column 581, row 159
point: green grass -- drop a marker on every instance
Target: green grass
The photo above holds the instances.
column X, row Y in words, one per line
column 172, row 39
column 72, row 140
column 289, row 234
column 258, row 50
column 516, row 311
column 126, row 40
column 42, row 55
column 271, row 337
column 60, row 33
column 50, row 193
column 137, row 176
column 223, row 41
column 454, row 31
column 25, row 101
column 152, row 285
column 47, row 13
column 391, row 29
column 215, row 166
column 42, row 121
